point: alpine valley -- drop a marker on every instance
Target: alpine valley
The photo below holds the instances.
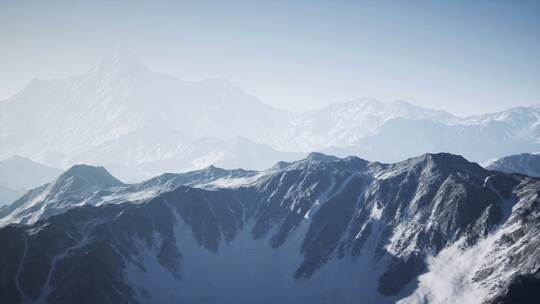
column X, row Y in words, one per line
column 435, row 228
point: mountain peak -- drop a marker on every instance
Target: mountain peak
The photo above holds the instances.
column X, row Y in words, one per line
column 211, row 170
column 364, row 102
column 447, row 162
column 444, row 157
column 94, row 175
column 318, row 157
column 403, row 103
column 312, row 158
column 121, row 60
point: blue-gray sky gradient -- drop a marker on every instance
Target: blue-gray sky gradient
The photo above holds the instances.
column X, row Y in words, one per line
column 466, row 57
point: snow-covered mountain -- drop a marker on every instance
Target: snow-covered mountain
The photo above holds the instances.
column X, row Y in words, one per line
column 123, row 115
column 431, row 229
column 345, row 124
column 138, row 123
column 83, row 184
column 63, row 193
column 524, row 163
column 19, row 174
column 478, row 138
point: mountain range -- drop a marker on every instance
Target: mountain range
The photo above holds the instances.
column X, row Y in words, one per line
column 431, row 229
column 139, row 123
column 524, row 163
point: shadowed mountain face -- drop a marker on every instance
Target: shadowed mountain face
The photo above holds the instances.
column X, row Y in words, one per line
column 322, row 230
column 175, row 125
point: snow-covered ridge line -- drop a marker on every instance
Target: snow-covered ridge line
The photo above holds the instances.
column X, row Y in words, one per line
column 81, row 184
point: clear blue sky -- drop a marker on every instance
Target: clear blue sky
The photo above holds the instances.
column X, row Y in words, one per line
column 462, row 56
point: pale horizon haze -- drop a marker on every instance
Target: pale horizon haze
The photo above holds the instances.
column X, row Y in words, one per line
column 466, row 58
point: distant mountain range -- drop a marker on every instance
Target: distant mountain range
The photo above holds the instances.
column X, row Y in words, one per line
column 139, row 123
column 524, row 163
column 19, row 174
column 430, row 229
column 134, row 121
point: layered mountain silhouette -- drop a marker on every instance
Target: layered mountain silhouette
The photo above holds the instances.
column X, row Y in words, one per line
column 139, row 123
column 430, row 229
column 524, row 163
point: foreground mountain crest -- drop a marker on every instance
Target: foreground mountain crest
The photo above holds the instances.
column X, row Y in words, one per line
column 319, row 230
column 66, row 191
column 91, row 176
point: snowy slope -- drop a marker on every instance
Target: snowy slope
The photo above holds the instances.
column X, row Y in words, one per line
column 525, row 163
column 83, row 184
column 431, row 229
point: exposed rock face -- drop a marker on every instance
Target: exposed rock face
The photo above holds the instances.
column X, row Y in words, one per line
column 321, row 230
